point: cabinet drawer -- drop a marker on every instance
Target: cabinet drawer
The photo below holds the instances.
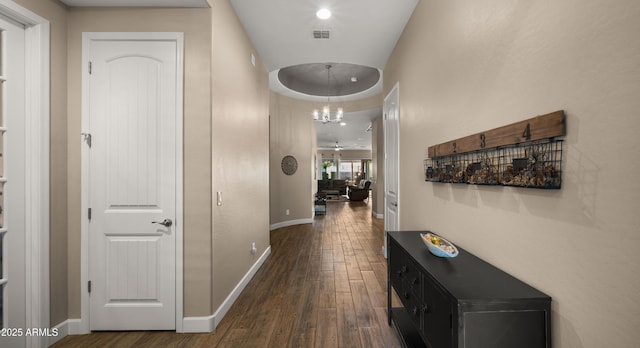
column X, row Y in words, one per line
column 412, row 304
column 397, row 260
column 412, row 278
column 403, row 270
column 437, row 318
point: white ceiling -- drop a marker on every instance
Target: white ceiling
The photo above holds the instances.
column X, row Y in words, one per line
column 363, row 32
column 136, row 3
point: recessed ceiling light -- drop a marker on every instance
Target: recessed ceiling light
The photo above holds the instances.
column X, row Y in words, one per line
column 343, row 123
column 323, row 13
column 354, row 79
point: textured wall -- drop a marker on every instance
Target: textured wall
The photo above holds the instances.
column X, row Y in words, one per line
column 240, row 97
column 377, row 184
column 196, row 25
column 292, row 133
column 470, row 66
column 216, row 239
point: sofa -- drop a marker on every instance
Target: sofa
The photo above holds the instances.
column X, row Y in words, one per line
column 334, row 185
column 360, row 192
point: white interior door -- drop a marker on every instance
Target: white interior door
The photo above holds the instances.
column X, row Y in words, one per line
column 391, row 163
column 12, row 185
column 132, row 183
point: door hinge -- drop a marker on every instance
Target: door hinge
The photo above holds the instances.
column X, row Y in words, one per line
column 90, row 68
column 89, row 214
column 89, row 286
column 87, row 138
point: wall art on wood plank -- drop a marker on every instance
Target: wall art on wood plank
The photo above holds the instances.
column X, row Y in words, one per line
column 527, row 154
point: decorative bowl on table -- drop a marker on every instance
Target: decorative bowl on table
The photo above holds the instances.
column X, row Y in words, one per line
column 439, row 246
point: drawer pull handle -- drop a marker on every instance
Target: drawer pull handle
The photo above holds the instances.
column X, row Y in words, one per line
column 425, row 309
column 406, row 295
column 415, row 281
column 402, row 270
column 415, row 310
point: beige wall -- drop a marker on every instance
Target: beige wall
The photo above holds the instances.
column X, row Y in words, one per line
column 377, row 154
column 292, row 133
column 240, row 97
column 196, row 25
column 56, row 14
column 213, row 236
column 469, row 66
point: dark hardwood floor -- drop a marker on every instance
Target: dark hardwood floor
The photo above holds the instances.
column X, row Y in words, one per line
column 324, row 285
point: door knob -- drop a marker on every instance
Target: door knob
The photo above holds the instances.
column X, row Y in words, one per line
column 165, row 222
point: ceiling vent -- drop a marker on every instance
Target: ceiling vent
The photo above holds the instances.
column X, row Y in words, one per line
column 321, row 34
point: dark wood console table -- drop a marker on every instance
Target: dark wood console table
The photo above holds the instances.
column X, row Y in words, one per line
column 462, row 301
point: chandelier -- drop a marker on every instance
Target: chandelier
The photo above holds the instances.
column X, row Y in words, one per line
column 325, row 116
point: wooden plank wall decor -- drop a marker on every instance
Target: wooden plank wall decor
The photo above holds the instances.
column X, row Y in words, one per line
column 541, row 127
column 523, row 154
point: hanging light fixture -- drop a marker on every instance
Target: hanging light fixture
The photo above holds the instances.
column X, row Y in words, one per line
column 325, row 116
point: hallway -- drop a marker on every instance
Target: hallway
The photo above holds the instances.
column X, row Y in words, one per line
column 324, row 285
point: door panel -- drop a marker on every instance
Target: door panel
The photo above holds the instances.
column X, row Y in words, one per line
column 132, row 115
column 133, row 257
column 391, row 162
column 132, row 133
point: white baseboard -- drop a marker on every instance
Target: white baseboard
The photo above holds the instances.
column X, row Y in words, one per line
column 290, row 223
column 189, row 324
column 77, row 327
column 376, row 215
column 199, row 324
column 209, row 323
column 66, row 328
column 63, row 331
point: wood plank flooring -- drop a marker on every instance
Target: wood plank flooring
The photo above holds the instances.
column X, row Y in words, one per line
column 324, row 285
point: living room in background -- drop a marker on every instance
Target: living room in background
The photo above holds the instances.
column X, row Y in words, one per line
column 329, row 169
column 350, row 170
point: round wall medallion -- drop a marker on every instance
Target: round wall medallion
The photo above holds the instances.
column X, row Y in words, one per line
column 289, row 165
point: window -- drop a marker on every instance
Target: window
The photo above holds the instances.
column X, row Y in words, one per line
column 329, row 169
column 367, row 166
column 352, row 170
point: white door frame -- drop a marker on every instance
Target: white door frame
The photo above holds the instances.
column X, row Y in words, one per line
column 396, row 90
column 83, row 326
column 36, row 143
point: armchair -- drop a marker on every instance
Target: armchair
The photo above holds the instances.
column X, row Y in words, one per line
column 359, row 194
